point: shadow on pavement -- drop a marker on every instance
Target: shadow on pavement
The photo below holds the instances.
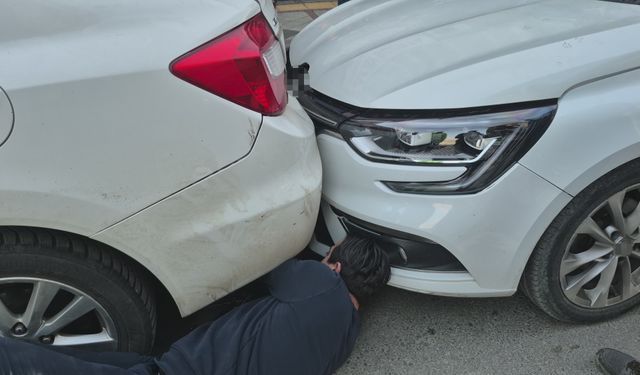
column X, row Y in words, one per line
column 172, row 327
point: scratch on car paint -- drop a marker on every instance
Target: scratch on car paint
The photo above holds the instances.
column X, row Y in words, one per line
column 228, row 229
column 252, row 131
column 215, row 293
column 111, row 196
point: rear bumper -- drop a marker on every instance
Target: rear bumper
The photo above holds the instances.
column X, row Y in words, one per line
column 236, row 225
column 491, row 234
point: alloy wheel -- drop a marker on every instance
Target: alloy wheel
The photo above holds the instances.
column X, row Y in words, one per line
column 601, row 264
column 53, row 313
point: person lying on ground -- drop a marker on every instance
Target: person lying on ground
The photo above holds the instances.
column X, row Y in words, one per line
column 308, row 324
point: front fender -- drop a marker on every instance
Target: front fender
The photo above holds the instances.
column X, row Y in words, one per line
column 596, row 129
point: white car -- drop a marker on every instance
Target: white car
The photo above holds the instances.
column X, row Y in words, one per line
column 490, row 144
column 145, row 146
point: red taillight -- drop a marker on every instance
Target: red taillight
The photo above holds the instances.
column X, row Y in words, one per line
column 245, row 65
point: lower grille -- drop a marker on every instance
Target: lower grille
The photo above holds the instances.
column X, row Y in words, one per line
column 404, row 250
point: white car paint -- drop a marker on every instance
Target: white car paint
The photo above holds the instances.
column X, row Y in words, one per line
column 270, row 13
column 114, row 71
column 602, row 117
column 464, row 53
column 223, row 232
column 458, row 54
column 108, row 144
column 472, row 227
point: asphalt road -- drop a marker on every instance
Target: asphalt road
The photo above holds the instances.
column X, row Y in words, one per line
column 408, row 333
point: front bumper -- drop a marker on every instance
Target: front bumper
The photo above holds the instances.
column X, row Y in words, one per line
column 491, row 233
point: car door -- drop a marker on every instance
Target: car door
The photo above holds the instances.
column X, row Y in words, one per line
column 6, row 116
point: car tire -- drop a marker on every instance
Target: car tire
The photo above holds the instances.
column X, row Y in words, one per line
column 71, row 270
column 542, row 279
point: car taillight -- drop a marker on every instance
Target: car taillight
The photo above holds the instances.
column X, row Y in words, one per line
column 246, row 66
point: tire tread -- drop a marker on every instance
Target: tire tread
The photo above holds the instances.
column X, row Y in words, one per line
column 19, row 239
column 537, row 280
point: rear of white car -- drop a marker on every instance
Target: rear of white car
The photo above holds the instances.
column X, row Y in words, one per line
column 468, row 134
column 144, row 146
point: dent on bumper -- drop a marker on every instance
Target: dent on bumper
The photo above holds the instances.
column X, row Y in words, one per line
column 237, row 224
column 492, row 233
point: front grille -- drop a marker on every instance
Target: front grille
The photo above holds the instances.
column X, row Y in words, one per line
column 405, row 250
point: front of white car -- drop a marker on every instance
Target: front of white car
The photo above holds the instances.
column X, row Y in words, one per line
column 433, row 121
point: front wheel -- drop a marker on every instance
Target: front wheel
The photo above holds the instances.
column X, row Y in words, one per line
column 61, row 289
column 586, row 266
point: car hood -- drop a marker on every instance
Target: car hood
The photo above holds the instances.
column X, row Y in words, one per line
column 454, row 54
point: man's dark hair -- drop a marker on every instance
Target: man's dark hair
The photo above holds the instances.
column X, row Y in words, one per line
column 365, row 265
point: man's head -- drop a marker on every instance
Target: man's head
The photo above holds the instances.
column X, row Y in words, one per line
column 362, row 263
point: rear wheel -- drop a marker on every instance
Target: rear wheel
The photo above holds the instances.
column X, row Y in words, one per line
column 61, row 289
column 586, row 267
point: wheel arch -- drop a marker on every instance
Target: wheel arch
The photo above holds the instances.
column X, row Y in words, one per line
column 163, row 294
column 555, row 209
column 610, row 163
column 538, row 279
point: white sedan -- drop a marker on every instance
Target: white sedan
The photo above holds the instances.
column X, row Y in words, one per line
column 145, row 147
column 490, row 144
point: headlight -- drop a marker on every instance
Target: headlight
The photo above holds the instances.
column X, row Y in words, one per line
column 486, row 143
